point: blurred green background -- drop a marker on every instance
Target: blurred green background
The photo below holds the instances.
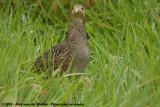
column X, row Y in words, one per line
column 124, row 37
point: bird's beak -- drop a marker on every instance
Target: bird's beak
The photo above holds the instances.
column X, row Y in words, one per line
column 76, row 10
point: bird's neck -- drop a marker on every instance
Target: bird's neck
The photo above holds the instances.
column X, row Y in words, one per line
column 77, row 38
column 77, row 25
column 78, row 22
column 77, row 29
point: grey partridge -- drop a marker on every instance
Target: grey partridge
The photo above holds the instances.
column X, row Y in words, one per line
column 75, row 47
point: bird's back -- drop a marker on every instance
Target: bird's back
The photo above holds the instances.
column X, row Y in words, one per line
column 60, row 54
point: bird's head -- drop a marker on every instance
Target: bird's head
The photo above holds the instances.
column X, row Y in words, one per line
column 78, row 11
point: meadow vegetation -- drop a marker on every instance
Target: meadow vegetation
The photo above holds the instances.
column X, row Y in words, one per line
column 124, row 37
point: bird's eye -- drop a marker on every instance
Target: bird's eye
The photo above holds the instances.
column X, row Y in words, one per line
column 82, row 8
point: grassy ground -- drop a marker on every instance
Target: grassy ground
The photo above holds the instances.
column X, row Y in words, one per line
column 124, row 37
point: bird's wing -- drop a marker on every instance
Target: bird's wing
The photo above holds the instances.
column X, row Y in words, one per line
column 61, row 53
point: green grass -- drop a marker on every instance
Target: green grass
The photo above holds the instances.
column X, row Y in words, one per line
column 124, row 68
